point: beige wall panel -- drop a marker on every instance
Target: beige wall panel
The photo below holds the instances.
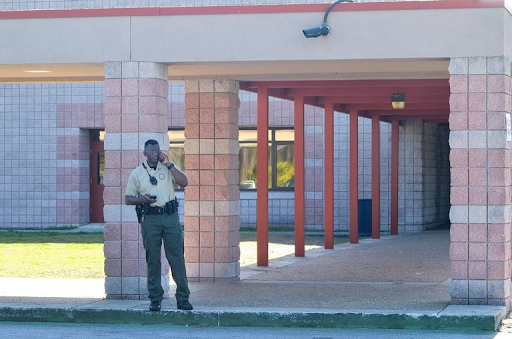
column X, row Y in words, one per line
column 508, row 34
column 70, row 40
column 256, row 37
column 355, row 35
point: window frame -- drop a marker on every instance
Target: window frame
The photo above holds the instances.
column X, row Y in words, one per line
column 177, row 187
column 273, row 156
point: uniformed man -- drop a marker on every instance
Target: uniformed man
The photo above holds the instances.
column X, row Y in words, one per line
column 152, row 186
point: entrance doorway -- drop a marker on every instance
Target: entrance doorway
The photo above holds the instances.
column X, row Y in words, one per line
column 97, row 168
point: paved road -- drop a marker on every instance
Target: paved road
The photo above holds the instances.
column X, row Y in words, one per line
column 49, row 330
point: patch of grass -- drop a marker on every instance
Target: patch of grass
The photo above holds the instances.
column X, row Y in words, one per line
column 51, row 255
column 80, row 255
column 55, row 228
column 50, row 237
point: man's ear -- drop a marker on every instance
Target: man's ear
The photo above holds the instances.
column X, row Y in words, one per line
column 144, row 152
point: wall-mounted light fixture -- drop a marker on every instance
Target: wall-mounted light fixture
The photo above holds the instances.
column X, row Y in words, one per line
column 398, row 101
column 37, row 71
column 323, row 30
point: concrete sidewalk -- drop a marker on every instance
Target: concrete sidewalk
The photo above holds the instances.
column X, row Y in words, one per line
column 395, row 282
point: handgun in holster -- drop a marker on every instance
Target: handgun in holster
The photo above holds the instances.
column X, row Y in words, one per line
column 141, row 210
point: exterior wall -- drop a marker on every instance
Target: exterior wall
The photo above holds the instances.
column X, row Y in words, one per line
column 480, row 160
column 39, row 125
column 423, row 180
column 55, row 118
column 436, row 174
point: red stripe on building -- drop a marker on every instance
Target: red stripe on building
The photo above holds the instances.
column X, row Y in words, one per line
column 250, row 9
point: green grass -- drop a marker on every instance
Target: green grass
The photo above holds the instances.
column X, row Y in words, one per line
column 51, row 255
column 80, row 255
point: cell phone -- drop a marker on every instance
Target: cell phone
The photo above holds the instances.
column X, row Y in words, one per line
column 152, row 196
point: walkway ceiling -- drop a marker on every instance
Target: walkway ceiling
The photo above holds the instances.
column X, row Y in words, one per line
column 365, row 84
column 426, row 99
column 245, row 71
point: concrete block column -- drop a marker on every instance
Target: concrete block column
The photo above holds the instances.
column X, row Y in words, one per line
column 212, row 199
column 135, row 111
column 480, row 160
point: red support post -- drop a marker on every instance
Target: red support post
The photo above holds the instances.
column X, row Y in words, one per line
column 262, row 176
column 375, row 177
column 329, row 177
column 299, row 176
column 354, row 231
column 394, row 177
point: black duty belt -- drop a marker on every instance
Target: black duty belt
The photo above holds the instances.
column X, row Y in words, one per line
column 169, row 208
column 156, row 210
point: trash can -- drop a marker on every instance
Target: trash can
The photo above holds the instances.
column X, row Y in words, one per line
column 364, row 216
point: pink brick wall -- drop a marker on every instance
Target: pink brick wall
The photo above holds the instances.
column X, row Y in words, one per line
column 135, row 110
column 212, row 198
column 481, row 177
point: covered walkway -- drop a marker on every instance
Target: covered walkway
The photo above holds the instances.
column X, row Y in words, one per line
column 379, row 100
column 409, row 272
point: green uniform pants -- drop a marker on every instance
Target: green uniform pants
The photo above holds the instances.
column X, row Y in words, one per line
column 155, row 228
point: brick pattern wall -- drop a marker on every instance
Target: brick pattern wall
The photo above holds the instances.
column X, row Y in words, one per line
column 39, row 126
column 436, row 174
column 66, row 111
column 480, row 178
column 313, row 167
column 410, row 181
column 135, row 111
column 212, row 207
column 16, row 5
column 82, row 111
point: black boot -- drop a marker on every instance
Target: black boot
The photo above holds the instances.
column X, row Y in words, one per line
column 185, row 305
column 155, row 306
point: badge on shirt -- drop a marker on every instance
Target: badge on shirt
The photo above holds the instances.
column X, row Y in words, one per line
column 161, row 176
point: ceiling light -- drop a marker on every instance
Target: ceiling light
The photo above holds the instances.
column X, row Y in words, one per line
column 37, row 71
column 398, row 101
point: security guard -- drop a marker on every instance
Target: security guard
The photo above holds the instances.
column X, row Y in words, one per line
column 151, row 185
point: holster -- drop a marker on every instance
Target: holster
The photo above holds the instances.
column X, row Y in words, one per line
column 141, row 210
column 172, row 206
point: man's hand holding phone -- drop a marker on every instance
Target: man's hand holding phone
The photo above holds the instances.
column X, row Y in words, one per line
column 149, row 199
column 164, row 159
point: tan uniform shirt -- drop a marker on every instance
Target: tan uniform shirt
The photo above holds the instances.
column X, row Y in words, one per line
column 139, row 183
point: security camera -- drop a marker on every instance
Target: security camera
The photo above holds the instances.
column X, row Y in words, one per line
column 316, row 32
column 323, row 30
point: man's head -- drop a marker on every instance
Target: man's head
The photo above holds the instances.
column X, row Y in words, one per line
column 152, row 151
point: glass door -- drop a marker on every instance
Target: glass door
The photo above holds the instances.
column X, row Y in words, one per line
column 97, row 167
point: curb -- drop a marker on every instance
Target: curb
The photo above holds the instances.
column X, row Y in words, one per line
column 481, row 318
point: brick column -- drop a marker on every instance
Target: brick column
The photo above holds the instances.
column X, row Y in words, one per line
column 212, row 199
column 135, row 111
column 480, row 181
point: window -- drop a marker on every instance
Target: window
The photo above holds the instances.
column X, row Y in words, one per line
column 176, row 151
column 98, row 136
column 280, row 154
column 280, row 157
